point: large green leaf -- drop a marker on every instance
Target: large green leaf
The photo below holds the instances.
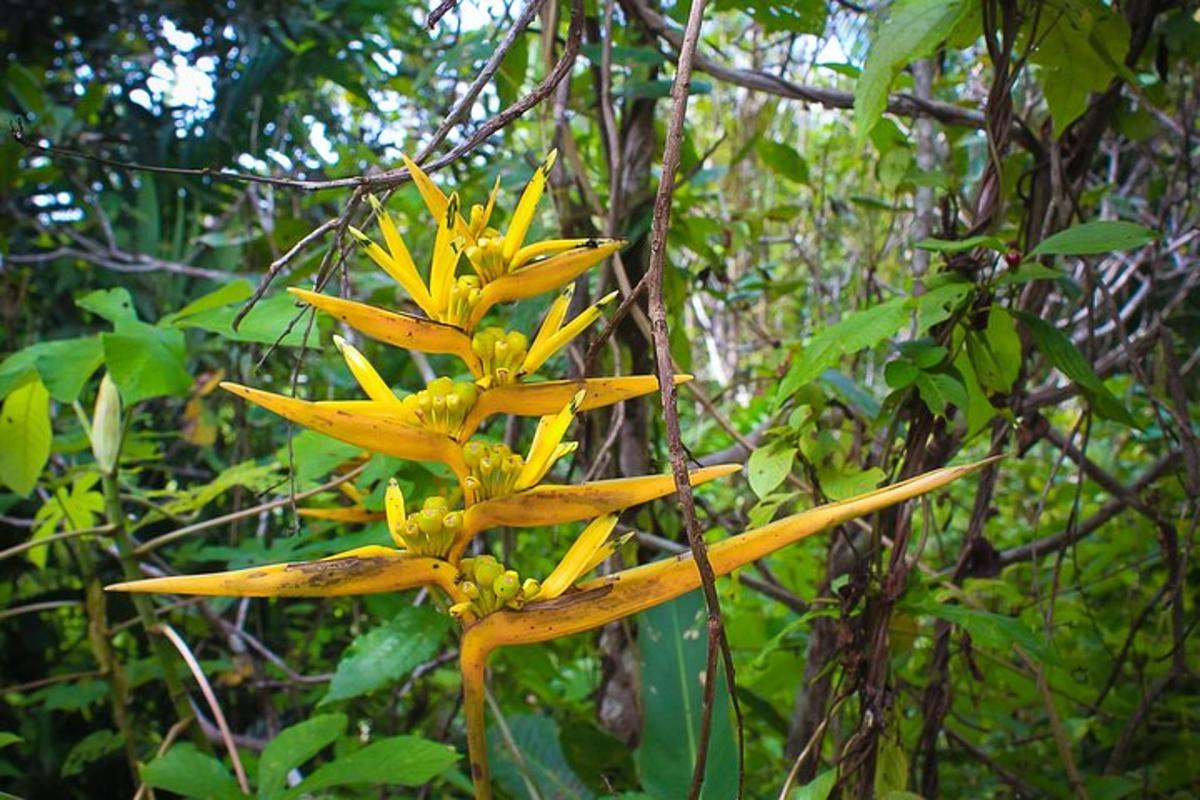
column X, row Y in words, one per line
column 25, row 433
column 292, row 747
column 1103, row 236
column 768, row 466
column 1060, row 351
column 64, row 365
column 385, row 654
column 858, row 331
column 672, row 644
column 188, row 772
column 146, row 361
column 114, row 305
column 913, row 29
column 1079, row 53
column 404, row 760
column 544, row 764
column 265, row 323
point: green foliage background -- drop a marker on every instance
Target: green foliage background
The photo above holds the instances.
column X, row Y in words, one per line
column 862, row 292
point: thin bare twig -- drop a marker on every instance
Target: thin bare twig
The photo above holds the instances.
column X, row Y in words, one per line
column 167, row 538
column 218, row 716
column 665, row 367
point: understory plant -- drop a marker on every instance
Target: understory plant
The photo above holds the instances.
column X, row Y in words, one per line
column 442, row 541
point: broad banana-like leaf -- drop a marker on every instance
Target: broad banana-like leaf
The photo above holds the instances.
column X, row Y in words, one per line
column 363, row 570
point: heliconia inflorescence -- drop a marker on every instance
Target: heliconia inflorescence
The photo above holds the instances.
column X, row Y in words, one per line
column 497, row 487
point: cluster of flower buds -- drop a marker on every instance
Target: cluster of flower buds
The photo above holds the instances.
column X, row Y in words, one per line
column 494, row 469
column 429, row 532
column 502, row 354
column 487, row 257
column 442, row 405
column 489, row 586
column 464, row 296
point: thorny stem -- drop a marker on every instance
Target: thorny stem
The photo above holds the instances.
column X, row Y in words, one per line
column 665, row 367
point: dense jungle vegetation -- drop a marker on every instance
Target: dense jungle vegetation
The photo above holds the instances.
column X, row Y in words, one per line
column 885, row 238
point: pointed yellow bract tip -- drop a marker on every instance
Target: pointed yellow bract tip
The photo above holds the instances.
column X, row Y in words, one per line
column 683, row 378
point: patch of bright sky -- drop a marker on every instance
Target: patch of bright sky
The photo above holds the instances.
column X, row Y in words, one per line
column 181, row 83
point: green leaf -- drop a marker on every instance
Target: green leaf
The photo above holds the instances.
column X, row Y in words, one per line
column 844, row 483
column 93, row 747
column 979, row 410
column 292, row 747
column 404, row 760
column 148, row 234
column 66, row 365
column 988, row 629
column 7, row 738
column 962, row 245
column 114, row 305
column 672, row 645
column 1082, row 50
column 939, row 390
column 537, row 741
column 860, row 330
column 900, row 374
column 1095, row 237
column 146, row 361
column 25, row 432
column 230, row 293
column 913, row 29
column 623, row 54
column 264, row 324
column 511, row 74
column 1065, row 357
column 1005, row 345
column 662, row 88
column 939, row 303
column 1030, row 271
column 188, row 772
column 786, row 16
column 818, row 788
column 783, row 159
column 385, row 654
column 768, row 466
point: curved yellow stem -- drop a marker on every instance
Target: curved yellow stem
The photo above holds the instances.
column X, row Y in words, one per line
column 472, row 663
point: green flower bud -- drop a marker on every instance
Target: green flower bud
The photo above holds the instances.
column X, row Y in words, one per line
column 487, row 569
column 506, row 586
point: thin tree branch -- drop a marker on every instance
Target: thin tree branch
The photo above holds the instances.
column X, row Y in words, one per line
column 665, row 367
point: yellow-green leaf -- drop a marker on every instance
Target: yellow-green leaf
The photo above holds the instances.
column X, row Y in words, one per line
column 25, row 432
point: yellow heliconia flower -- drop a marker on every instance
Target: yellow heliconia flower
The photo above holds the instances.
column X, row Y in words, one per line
column 505, row 267
column 499, row 488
